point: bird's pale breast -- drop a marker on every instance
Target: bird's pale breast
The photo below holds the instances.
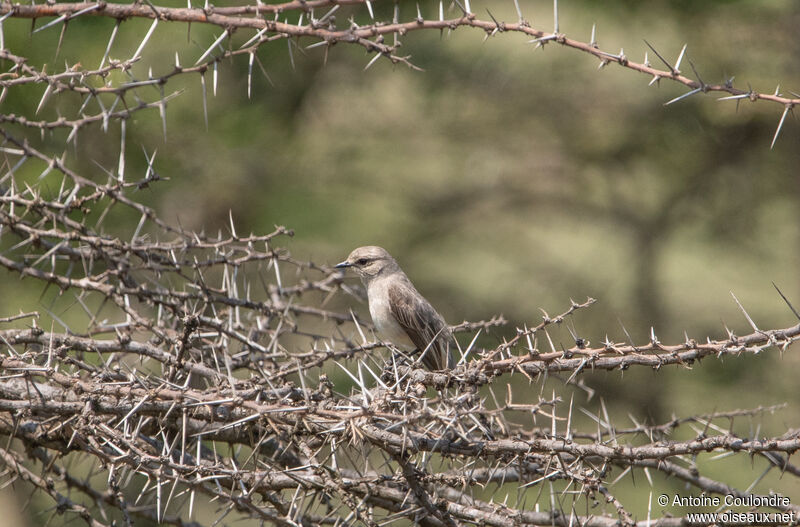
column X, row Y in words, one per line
column 381, row 313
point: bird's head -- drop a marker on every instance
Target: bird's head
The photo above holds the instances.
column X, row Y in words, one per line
column 369, row 262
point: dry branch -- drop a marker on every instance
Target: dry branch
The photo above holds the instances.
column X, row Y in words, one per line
column 212, row 365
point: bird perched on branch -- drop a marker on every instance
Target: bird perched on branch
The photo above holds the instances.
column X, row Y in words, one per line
column 401, row 315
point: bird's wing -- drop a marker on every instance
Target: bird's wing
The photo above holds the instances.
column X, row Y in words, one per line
column 422, row 324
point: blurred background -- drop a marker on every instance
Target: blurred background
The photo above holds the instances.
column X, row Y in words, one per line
column 504, row 178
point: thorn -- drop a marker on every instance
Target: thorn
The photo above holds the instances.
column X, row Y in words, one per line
column 47, row 92
column 699, row 79
column 51, row 24
column 214, row 77
column 327, row 15
column 496, row 23
column 734, row 97
column 162, row 110
column 555, row 16
column 630, row 340
column 372, row 61
column 787, row 301
column 593, row 40
column 780, row 125
column 542, row 40
column 653, row 337
column 747, row 316
column 145, row 39
column 121, row 165
column 677, row 67
column 61, row 37
column 250, row 74
column 205, row 98
column 110, row 42
column 520, row 19
column 371, row 14
column 667, row 64
column 255, row 37
column 461, row 7
column 233, row 227
column 211, row 47
column 317, row 44
column 291, row 55
column 685, row 95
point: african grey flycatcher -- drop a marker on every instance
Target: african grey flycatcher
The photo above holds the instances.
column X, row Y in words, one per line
column 401, row 315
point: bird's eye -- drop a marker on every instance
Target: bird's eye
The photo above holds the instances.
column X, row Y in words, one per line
column 362, row 261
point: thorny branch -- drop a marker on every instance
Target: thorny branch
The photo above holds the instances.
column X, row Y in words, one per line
column 271, row 22
column 179, row 343
column 183, row 368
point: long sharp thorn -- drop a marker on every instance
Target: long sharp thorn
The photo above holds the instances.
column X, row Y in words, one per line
column 145, row 39
column 291, row 55
column 162, row 110
column 373, row 61
column 741, row 307
column 233, row 227
column 121, row 166
column 327, row 15
column 685, row 95
column 61, row 37
column 569, row 418
column 317, row 44
column 662, row 59
column 677, row 66
column 205, row 98
column 212, row 46
column 51, row 24
column 2, row 33
column 256, row 37
column 555, row 16
column 593, row 41
column 264, row 70
column 369, row 8
column 520, row 19
column 734, row 97
column 780, row 125
column 699, row 79
column 45, row 97
column 215, row 76
column 787, row 301
column 250, row 74
column 110, row 42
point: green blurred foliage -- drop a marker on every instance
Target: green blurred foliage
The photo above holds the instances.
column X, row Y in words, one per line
column 504, row 178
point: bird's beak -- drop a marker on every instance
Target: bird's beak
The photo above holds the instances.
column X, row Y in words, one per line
column 343, row 265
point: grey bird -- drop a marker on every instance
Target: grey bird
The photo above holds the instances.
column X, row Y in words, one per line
column 401, row 315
